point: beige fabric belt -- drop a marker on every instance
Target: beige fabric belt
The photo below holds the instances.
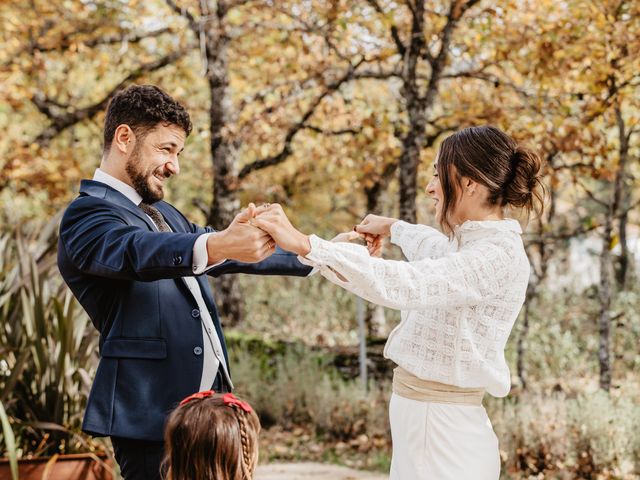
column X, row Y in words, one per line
column 407, row 385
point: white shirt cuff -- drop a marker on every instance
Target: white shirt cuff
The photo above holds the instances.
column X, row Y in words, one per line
column 397, row 229
column 201, row 256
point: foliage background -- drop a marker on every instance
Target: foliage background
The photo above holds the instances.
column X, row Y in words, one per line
column 334, row 109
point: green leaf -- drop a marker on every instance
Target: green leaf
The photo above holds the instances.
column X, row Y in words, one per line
column 10, row 442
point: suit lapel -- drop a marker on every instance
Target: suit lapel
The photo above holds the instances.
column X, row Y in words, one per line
column 99, row 189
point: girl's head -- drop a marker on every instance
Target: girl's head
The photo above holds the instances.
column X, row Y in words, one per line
column 211, row 437
column 482, row 170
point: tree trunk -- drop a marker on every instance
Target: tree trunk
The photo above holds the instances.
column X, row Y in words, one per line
column 374, row 319
column 606, row 274
column 604, row 294
column 540, row 273
column 623, row 194
column 418, row 105
column 416, row 111
column 224, row 204
column 623, row 262
column 524, row 332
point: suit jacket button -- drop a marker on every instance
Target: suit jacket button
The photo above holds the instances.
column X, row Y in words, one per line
column 177, row 260
column 197, row 351
column 195, row 313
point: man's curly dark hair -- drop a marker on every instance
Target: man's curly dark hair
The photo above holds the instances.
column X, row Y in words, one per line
column 143, row 107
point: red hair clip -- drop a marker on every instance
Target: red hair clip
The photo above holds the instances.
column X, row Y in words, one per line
column 231, row 400
column 203, row 394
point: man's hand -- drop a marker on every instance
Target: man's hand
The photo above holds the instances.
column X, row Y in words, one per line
column 274, row 221
column 240, row 240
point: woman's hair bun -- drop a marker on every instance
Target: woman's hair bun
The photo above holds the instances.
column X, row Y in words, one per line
column 524, row 188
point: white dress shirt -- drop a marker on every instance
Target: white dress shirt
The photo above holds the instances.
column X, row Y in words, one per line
column 213, row 357
column 459, row 299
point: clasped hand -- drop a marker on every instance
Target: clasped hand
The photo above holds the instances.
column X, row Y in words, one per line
column 241, row 240
column 273, row 220
column 253, row 234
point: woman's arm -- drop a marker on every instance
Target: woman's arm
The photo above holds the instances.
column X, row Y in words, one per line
column 419, row 241
column 461, row 278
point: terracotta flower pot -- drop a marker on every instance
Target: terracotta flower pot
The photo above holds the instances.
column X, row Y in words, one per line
column 84, row 466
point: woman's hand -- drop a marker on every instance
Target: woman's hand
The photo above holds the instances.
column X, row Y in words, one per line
column 374, row 228
column 346, row 237
column 374, row 242
column 274, row 221
column 376, row 225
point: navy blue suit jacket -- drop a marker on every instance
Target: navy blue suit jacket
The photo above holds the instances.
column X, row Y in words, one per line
column 128, row 279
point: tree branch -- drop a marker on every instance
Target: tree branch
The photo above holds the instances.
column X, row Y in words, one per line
column 394, row 29
column 552, row 237
column 573, row 166
column 377, row 75
column 590, row 194
column 183, row 12
column 286, row 149
column 344, row 131
column 106, row 40
column 61, row 120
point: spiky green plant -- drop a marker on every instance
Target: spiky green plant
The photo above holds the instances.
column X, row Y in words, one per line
column 48, row 349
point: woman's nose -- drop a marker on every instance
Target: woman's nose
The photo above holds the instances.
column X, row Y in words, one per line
column 431, row 187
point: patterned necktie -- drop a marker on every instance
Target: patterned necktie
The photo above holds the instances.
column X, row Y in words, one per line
column 156, row 216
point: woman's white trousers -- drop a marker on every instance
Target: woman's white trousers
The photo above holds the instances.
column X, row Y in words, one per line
column 437, row 441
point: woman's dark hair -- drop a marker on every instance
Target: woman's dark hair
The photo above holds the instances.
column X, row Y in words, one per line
column 143, row 107
column 487, row 155
column 207, row 439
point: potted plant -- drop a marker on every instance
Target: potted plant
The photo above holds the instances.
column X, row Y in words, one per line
column 48, row 355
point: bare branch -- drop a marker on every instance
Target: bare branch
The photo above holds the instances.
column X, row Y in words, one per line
column 183, row 12
column 573, row 166
column 590, row 194
column 394, row 29
column 61, row 120
column 480, row 74
column 286, row 151
column 344, row 131
column 536, row 237
column 376, row 74
column 412, row 9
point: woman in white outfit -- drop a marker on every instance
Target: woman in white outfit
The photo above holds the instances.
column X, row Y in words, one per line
column 459, row 293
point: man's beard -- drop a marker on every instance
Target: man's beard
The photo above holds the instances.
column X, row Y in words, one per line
column 141, row 180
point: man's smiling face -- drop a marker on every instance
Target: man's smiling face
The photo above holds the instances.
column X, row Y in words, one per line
column 154, row 159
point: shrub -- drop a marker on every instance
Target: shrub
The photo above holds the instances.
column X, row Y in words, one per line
column 299, row 387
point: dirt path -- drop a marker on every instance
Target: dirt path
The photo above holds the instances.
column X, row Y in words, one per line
column 313, row 471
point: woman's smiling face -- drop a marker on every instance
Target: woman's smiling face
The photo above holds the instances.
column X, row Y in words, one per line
column 434, row 190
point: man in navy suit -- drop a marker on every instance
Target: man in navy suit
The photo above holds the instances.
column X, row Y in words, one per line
column 135, row 263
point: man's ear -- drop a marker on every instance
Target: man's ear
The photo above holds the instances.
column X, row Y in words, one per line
column 124, row 139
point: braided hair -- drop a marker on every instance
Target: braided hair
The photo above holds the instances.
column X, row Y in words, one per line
column 248, row 462
column 211, row 437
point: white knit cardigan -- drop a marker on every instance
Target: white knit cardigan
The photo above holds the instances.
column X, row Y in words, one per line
column 459, row 298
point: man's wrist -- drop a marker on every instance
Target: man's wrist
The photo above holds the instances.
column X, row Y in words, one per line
column 216, row 247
